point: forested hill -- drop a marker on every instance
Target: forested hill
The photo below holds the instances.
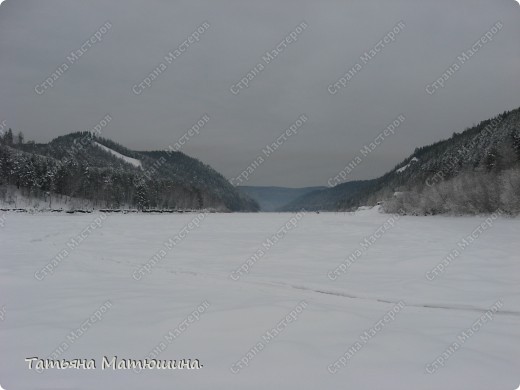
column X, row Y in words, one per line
column 475, row 171
column 81, row 165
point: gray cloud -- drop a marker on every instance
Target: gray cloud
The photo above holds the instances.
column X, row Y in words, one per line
column 36, row 37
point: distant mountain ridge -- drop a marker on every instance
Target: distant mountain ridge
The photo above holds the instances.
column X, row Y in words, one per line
column 275, row 198
column 82, row 165
column 327, row 199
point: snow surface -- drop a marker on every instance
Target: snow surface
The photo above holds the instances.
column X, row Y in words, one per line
column 136, row 163
column 38, row 315
column 402, row 169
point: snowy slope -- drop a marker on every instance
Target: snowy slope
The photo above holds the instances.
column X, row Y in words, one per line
column 136, row 163
column 40, row 314
column 402, row 169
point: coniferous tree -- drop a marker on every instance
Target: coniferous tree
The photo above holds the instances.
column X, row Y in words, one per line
column 20, row 138
column 8, row 137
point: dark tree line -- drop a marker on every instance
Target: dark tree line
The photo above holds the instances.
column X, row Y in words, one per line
column 9, row 139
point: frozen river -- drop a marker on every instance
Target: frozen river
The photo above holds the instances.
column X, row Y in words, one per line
column 332, row 301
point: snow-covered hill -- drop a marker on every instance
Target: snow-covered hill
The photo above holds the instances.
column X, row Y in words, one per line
column 474, row 171
column 109, row 175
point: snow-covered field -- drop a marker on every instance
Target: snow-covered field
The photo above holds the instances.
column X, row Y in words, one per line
column 219, row 313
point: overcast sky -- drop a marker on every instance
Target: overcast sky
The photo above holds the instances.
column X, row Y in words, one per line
column 37, row 36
